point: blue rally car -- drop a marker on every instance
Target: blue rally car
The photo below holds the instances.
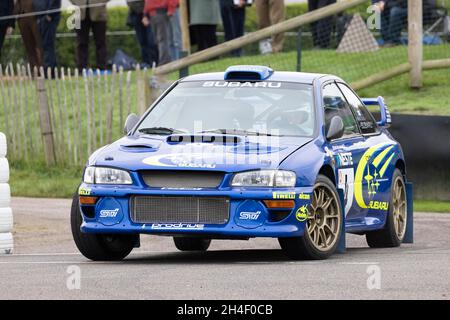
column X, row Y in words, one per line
column 246, row 153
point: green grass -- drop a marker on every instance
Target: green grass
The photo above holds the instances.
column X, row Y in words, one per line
column 37, row 180
column 432, row 206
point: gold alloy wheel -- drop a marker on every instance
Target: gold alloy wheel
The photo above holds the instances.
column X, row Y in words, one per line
column 324, row 220
column 399, row 207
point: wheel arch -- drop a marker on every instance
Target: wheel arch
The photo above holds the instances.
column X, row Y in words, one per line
column 400, row 164
column 328, row 171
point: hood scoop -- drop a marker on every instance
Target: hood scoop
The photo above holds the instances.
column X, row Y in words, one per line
column 138, row 147
column 209, row 138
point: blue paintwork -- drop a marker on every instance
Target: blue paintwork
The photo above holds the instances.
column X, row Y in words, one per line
column 305, row 156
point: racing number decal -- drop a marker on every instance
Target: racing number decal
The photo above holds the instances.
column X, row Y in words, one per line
column 346, row 183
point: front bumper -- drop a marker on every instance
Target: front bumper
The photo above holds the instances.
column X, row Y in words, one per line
column 111, row 213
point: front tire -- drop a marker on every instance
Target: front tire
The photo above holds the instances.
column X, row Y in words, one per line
column 322, row 227
column 99, row 247
column 394, row 230
column 191, row 244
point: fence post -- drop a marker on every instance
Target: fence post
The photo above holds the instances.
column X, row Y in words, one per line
column 299, row 50
column 415, row 42
column 45, row 122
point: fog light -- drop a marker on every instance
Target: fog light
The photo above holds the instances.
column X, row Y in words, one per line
column 88, row 200
column 279, row 204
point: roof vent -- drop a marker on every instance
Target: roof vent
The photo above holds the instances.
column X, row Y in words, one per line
column 248, row 73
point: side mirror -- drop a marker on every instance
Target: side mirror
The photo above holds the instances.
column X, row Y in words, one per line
column 130, row 123
column 336, row 128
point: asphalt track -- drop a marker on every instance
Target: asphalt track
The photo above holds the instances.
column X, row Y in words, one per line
column 46, row 261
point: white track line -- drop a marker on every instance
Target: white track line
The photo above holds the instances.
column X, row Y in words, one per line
column 68, row 254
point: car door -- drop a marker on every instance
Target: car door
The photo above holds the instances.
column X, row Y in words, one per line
column 347, row 150
column 372, row 180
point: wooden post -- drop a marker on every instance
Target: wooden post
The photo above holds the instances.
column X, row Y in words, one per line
column 46, row 123
column 184, row 17
column 415, row 42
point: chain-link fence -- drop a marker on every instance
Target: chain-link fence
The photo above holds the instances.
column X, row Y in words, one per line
column 353, row 44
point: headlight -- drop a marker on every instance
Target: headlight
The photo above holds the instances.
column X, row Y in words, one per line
column 264, row 178
column 99, row 175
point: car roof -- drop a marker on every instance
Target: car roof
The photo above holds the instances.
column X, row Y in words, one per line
column 283, row 76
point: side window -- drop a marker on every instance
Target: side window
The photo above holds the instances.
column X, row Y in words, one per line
column 334, row 104
column 363, row 116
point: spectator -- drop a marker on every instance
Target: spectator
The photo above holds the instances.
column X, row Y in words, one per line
column 144, row 34
column 270, row 12
column 158, row 13
column 6, row 26
column 394, row 14
column 203, row 20
column 29, row 30
column 321, row 30
column 48, row 23
column 93, row 16
column 233, row 18
column 175, row 35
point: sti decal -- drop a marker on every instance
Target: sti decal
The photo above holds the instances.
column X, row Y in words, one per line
column 109, row 213
column 370, row 172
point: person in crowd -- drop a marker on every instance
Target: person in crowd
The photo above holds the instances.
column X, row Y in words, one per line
column 94, row 17
column 394, row 14
column 157, row 13
column 270, row 12
column 144, row 34
column 48, row 23
column 204, row 16
column 233, row 18
column 175, row 35
column 321, row 30
column 6, row 25
column 29, row 31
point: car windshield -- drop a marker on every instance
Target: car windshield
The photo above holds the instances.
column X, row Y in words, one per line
column 240, row 108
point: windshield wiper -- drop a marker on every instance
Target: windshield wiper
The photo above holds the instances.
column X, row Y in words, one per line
column 160, row 131
column 237, row 132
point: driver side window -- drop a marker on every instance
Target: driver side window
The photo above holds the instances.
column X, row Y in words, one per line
column 334, row 104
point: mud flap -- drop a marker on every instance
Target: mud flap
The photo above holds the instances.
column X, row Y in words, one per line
column 341, row 247
column 409, row 233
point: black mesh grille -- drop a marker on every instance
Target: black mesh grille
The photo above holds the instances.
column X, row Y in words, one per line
column 182, row 179
column 160, row 209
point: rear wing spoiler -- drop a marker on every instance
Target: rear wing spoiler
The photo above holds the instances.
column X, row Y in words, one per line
column 384, row 110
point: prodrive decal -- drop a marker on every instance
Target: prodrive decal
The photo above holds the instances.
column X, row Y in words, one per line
column 178, row 226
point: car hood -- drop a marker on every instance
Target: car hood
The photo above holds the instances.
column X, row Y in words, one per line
column 218, row 153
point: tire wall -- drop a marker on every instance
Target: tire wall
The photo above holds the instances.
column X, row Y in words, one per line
column 6, row 217
column 426, row 144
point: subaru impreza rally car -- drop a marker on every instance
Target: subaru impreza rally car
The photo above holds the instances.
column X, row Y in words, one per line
column 246, row 153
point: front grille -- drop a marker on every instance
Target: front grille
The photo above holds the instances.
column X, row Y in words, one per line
column 182, row 179
column 162, row 209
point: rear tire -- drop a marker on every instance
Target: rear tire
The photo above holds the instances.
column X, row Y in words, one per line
column 191, row 244
column 394, row 230
column 99, row 247
column 322, row 227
